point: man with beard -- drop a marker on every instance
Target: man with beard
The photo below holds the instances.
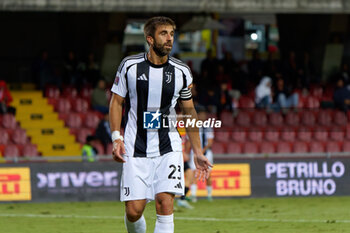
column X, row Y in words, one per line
column 150, row 84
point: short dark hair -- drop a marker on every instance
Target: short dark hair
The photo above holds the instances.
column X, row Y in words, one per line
column 152, row 24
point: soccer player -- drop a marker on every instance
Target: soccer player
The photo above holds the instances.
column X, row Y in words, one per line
column 207, row 138
column 150, row 84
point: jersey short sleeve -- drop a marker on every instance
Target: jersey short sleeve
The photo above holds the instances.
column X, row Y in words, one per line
column 185, row 93
column 119, row 86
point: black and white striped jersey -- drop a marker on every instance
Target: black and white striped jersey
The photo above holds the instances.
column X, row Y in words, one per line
column 151, row 93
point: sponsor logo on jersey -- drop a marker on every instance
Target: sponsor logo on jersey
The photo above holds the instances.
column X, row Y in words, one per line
column 142, row 77
column 116, row 80
column 15, row 184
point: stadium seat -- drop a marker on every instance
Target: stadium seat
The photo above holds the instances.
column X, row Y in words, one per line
column 340, row 118
column 109, row 149
column 74, row 121
column 246, row 103
column 332, row 146
column 275, row 119
column 19, row 136
column 218, row 148
column 346, row 146
column 321, row 134
column 234, row 148
column 292, row 119
column 316, row 91
column 284, row 147
column 324, row 118
column 52, row 92
column 11, row 151
column 308, row 118
column 63, row 105
column 260, row 118
column 243, row 119
column 267, row 147
column 69, row 92
column 300, row 147
column 226, row 118
column 91, row 120
column 239, row 135
column 316, row 147
column 311, row 102
column 336, row 134
column 304, row 134
column 255, row 135
column 250, row 148
column 30, row 150
column 4, row 137
column 222, row 136
column 272, row 135
column 9, row 121
column 288, row 134
column 82, row 133
column 86, row 92
column 80, row 105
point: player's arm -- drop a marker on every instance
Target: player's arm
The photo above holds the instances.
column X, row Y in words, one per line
column 115, row 118
column 201, row 162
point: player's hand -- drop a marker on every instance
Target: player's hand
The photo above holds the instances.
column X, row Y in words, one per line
column 118, row 151
column 203, row 167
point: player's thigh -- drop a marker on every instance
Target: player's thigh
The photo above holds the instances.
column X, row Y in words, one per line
column 169, row 174
column 136, row 179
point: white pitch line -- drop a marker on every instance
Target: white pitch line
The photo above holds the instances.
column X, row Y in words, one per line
column 183, row 218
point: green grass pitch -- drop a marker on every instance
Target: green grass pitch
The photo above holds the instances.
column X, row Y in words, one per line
column 264, row 215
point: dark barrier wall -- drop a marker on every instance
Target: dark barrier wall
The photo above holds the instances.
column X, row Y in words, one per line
column 53, row 182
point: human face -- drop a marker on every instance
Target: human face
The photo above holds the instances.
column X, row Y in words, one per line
column 163, row 40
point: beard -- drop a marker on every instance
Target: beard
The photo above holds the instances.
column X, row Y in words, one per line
column 160, row 49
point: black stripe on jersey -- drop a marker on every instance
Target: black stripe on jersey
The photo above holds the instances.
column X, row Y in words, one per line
column 133, row 57
column 142, row 68
column 168, row 89
column 180, row 63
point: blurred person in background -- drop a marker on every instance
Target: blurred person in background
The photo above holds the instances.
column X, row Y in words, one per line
column 284, row 97
column 91, row 70
column 43, row 71
column 99, row 100
column 5, row 99
column 207, row 138
column 88, row 152
column 103, row 132
column 341, row 96
column 263, row 93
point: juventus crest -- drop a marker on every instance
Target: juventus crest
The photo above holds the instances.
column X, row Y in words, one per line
column 168, row 77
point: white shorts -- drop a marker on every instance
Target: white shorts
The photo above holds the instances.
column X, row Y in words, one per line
column 143, row 178
column 209, row 156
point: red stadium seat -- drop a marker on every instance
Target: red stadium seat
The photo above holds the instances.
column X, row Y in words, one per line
column 80, row 105
column 316, row 91
column 267, row 147
column 226, row 118
column 288, row 134
column 250, row 148
column 19, row 136
column 311, row 102
column 222, row 136
column 9, row 121
column 308, row 118
column 340, row 118
column 275, row 119
column 4, row 137
column 239, row 135
column 259, row 118
column 91, row 120
column 304, row 134
column 246, row 102
column 70, row 92
column 321, row 134
column 86, row 92
column 218, row 148
column 272, row 135
column 82, row 133
column 30, row 150
column 255, row 135
column 316, row 147
column 332, row 146
column 284, row 147
column 324, row 118
column 292, row 119
column 74, row 121
column 234, row 148
column 52, row 92
column 346, row 146
column 336, row 134
column 300, row 147
column 11, row 151
column 63, row 105
column 109, row 149
column 243, row 119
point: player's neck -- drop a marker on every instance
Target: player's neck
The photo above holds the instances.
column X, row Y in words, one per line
column 155, row 59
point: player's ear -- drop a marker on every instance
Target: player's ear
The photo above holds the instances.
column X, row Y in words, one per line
column 150, row 40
